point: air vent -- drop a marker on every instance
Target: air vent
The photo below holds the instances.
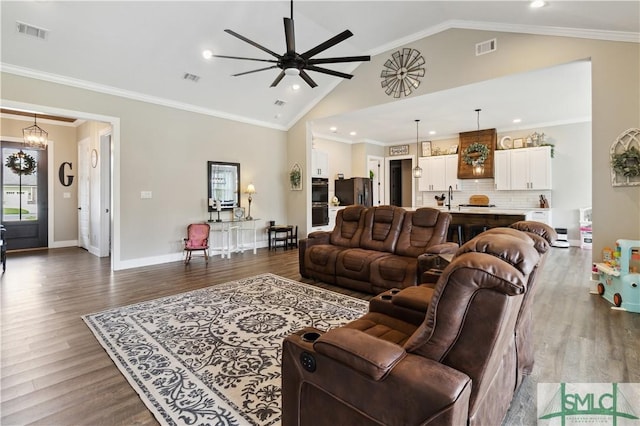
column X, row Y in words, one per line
column 32, row 31
column 191, row 77
column 486, row 47
column 279, row 102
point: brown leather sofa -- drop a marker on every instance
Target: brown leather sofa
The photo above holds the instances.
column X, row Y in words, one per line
column 376, row 248
column 457, row 366
column 413, row 302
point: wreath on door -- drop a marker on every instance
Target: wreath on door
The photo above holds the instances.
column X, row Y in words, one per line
column 21, row 163
column 476, row 152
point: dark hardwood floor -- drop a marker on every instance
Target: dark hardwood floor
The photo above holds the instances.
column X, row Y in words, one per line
column 53, row 371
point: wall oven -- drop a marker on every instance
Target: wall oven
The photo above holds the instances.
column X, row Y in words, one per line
column 319, row 214
column 319, row 201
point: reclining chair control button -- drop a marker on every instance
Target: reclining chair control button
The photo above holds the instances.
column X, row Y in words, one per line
column 308, row 362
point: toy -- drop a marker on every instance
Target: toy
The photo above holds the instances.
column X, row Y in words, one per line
column 619, row 276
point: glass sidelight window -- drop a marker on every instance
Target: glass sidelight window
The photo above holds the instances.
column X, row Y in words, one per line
column 20, row 184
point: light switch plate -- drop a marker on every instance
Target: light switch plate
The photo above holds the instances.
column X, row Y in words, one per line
column 145, row 194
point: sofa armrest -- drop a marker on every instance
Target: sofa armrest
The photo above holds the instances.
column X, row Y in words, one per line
column 448, row 248
column 364, row 353
column 416, row 390
column 320, row 237
column 314, row 238
column 415, row 298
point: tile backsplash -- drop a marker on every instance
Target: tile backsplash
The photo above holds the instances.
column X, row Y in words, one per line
column 502, row 199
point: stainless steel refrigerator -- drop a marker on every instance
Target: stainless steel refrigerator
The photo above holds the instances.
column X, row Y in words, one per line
column 357, row 190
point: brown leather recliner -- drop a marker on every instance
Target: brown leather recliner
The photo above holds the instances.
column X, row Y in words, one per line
column 458, row 366
column 318, row 252
column 424, row 231
column 386, row 250
column 382, row 225
column 413, row 302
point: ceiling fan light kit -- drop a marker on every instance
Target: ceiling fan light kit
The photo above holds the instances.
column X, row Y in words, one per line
column 293, row 63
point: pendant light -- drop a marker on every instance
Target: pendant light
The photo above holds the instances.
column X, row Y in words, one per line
column 417, row 170
column 35, row 137
column 478, row 165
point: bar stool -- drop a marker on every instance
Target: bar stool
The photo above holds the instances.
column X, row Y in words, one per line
column 477, row 229
column 457, row 231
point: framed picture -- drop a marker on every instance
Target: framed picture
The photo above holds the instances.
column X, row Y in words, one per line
column 453, row 149
column 399, row 150
column 295, row 177
column 518, row 143
column 238, row 213
column 426, row 149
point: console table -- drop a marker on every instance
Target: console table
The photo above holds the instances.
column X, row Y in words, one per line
column 228, row 227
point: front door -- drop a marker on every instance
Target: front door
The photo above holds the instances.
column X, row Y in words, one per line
column 24, row 196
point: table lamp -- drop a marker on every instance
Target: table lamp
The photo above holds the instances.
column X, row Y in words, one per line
column 250, row 190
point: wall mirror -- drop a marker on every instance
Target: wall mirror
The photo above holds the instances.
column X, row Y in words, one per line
column 223, row 183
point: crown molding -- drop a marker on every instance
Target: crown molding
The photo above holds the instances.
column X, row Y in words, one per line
column 629, row 37
column 110, row 90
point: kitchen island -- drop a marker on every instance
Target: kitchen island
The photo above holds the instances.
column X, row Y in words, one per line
column 468, row 221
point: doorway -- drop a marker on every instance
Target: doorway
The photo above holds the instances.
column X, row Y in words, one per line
column 24, row 196
column 376, row 172
column 400, row 188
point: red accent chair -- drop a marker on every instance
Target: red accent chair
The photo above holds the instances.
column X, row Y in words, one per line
column 197, row 240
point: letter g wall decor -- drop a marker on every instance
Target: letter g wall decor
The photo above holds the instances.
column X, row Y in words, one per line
column 65, row 180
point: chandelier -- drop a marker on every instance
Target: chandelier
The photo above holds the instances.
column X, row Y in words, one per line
column 34, row 136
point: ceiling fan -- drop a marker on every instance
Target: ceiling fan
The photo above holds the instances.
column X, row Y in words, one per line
column 293, row 63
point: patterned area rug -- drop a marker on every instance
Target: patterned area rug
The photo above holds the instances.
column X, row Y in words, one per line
column 213, row 356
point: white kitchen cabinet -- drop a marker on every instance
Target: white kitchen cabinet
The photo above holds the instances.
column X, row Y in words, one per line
column 523, row 169
column 531, row 168
column 319, row 164
column 438, row 173
column 502, row 169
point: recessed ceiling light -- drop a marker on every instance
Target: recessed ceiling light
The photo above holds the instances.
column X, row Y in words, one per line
column 207, row 54
column 535, row 4
column 432, row 132
column 295, row 87
column 517, row 120
column 352, row 133
column 333, row 129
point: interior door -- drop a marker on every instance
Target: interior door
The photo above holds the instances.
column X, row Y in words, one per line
column 84, row 212
column 24, row 196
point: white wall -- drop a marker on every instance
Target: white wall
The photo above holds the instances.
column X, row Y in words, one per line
column 165, row 151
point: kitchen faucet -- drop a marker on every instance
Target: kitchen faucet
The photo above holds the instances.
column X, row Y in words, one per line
column 450, row 197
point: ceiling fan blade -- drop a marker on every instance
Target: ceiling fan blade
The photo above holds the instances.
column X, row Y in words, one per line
column 252, row 71
column 327, row 44
column 278, row 78
column 307, row 79
column 253, row 43
column 336, row 60
column 328, row 71
column 246, row 59
column 289, row 35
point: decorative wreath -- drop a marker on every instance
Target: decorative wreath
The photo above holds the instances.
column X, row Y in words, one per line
column 476, row 147
column 21, row 163
column 627, row 163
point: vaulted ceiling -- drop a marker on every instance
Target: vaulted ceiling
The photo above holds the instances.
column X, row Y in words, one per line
column 143, row 50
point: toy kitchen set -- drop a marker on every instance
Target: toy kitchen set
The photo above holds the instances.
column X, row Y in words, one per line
column 618, row 275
